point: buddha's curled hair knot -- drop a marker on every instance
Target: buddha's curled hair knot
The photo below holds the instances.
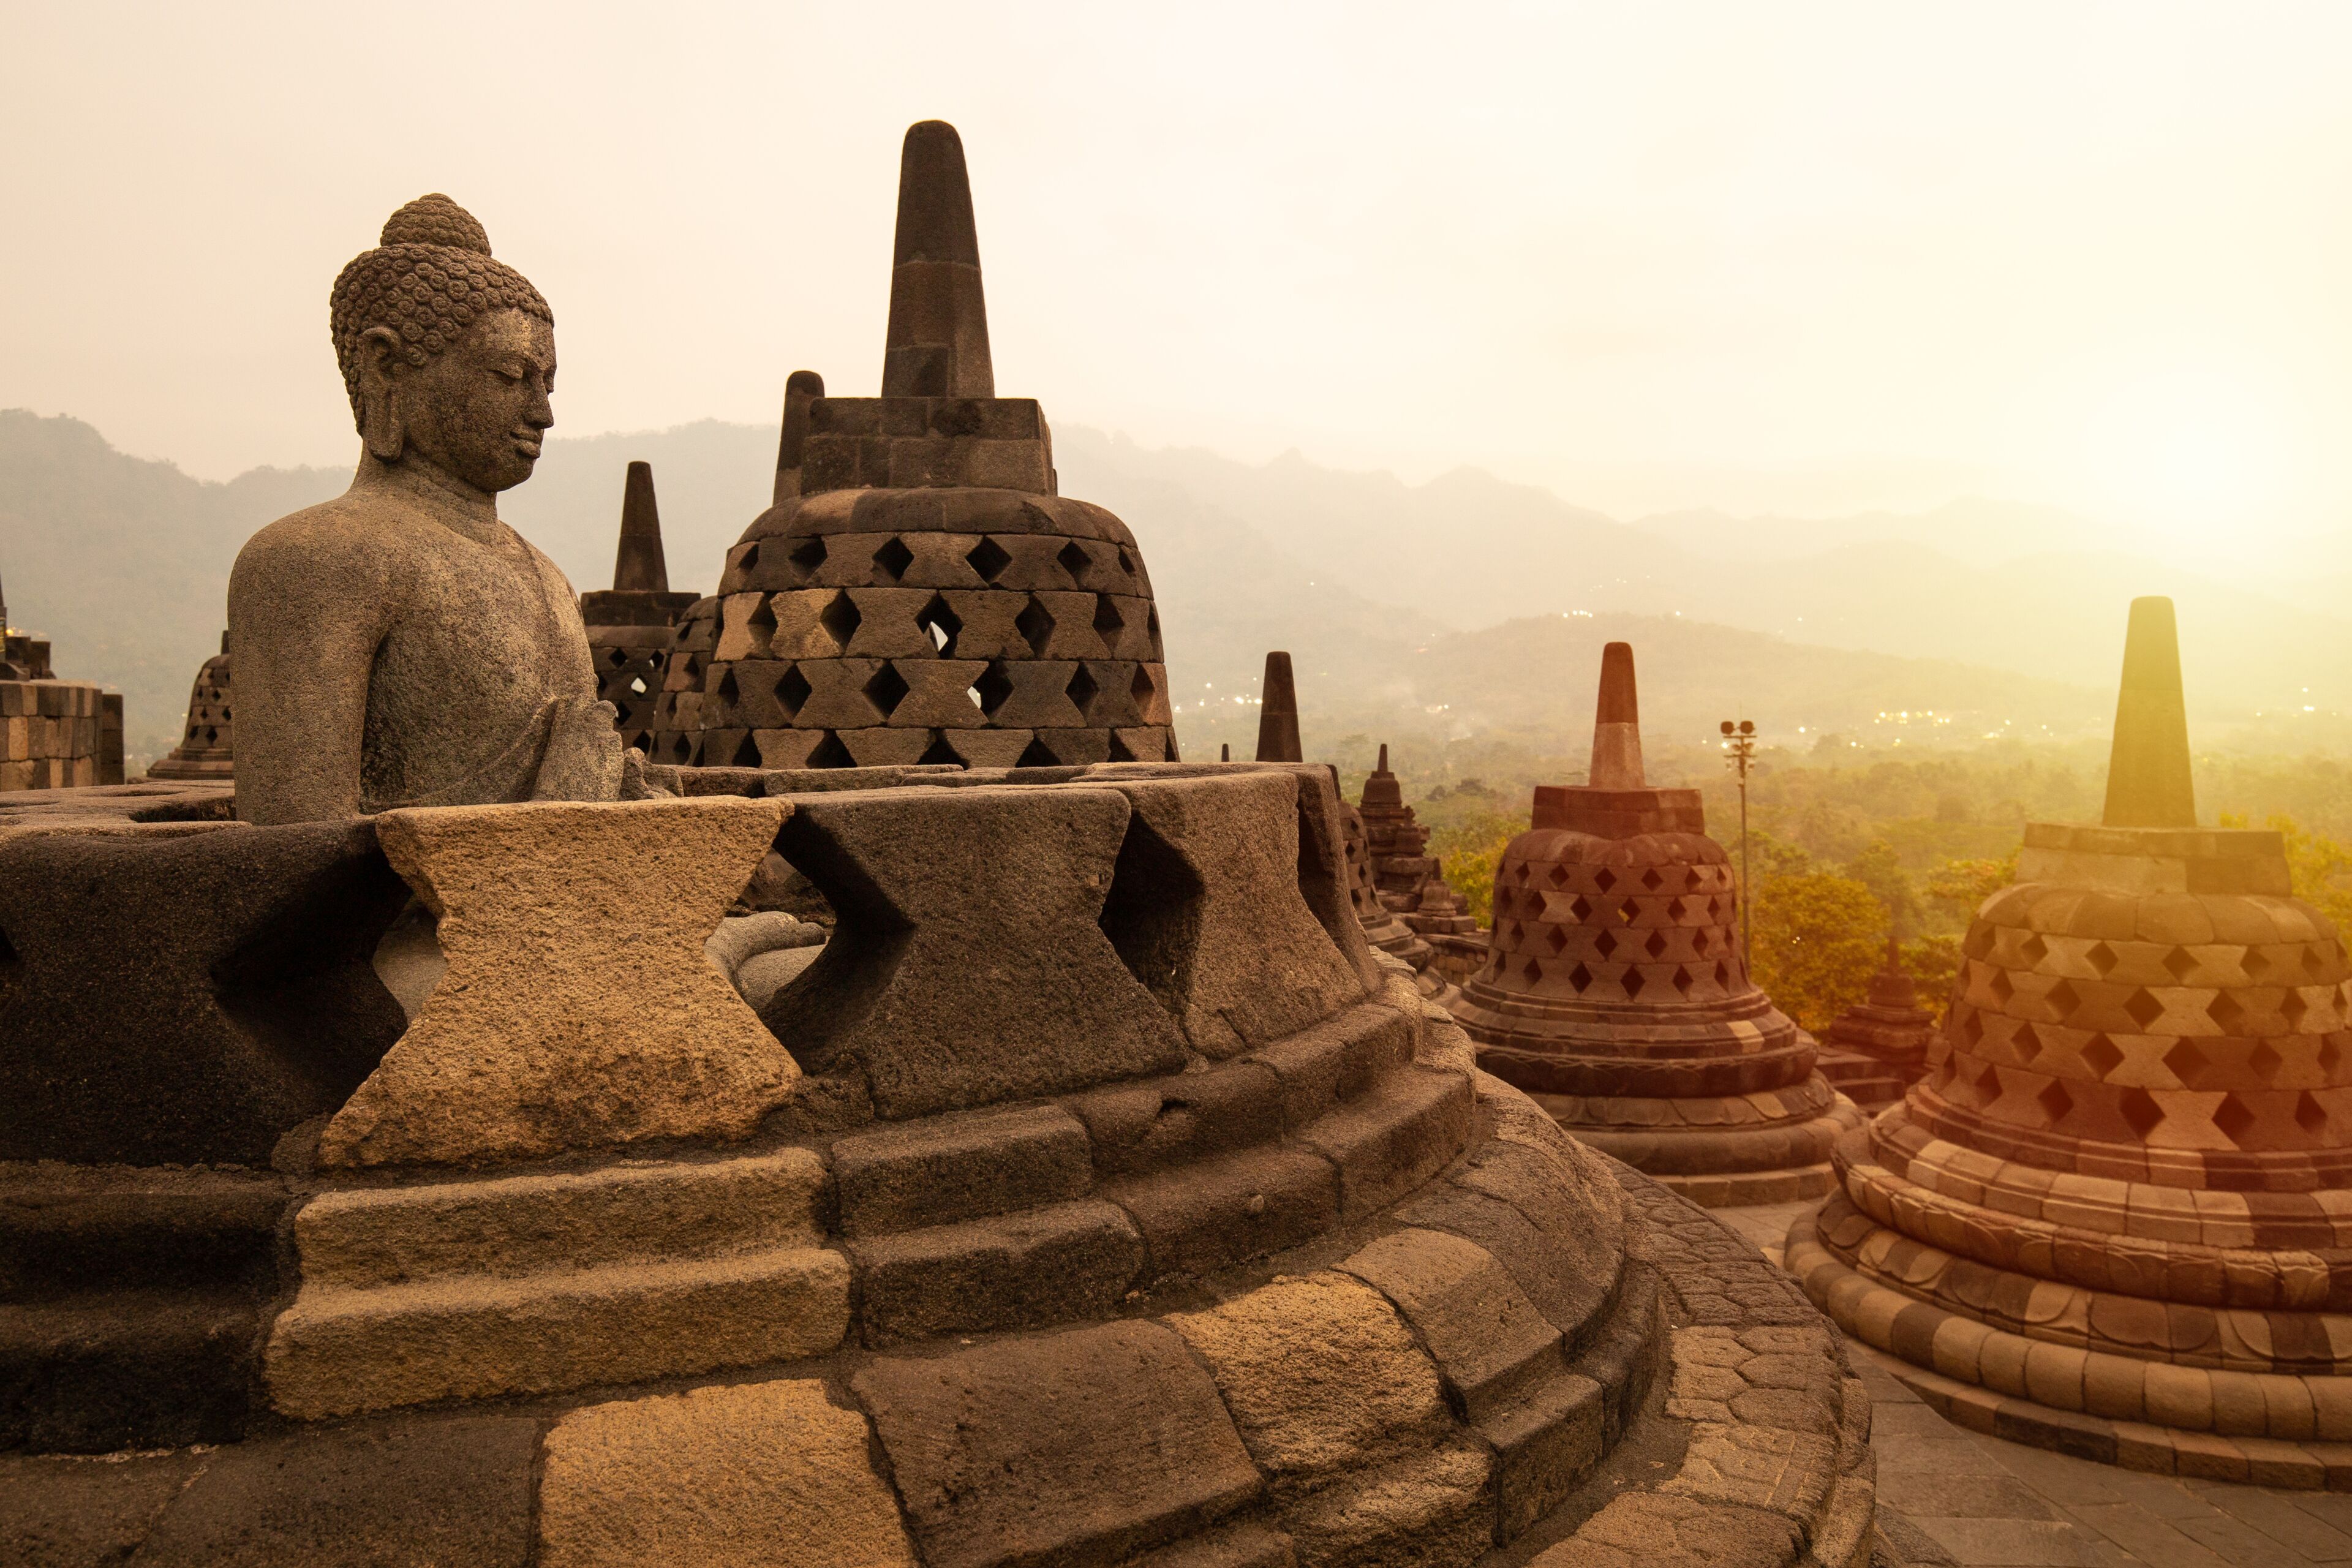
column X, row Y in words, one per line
column 429, row 281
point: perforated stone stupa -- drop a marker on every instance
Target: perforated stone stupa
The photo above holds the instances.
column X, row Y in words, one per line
column 632, row 625
column 920, row 592
column 2115, row 1218
column 1878, row 1047
column 1615, row 994
column 1410, row 879
column 207, row 748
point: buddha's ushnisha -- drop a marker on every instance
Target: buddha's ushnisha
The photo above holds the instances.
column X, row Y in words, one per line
column 399, row 645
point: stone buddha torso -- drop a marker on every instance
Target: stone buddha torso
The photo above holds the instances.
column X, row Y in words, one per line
column 435, row 667
column 401, row 644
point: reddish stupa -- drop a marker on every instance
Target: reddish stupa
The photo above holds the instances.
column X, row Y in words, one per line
column 1613, row 990
column 2115, row 1216
column 1878, row 1047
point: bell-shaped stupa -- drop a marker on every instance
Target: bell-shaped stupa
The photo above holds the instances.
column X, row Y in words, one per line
column 1877, row 1049
column 2115, row 1218
column 207, row 748
column 919, row 592
column 632, row 625
column 1613, row 990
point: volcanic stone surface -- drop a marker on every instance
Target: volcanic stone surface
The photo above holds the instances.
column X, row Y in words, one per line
column 1242, row 1261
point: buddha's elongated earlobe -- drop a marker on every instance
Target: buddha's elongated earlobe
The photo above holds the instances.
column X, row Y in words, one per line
column 380, row 422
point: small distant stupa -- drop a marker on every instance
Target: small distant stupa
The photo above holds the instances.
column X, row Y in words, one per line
column 632, row 625
column 1615, row 992
column 207, row 748
column 1878, row 1047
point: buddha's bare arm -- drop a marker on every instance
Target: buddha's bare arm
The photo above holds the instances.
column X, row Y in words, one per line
column 308, row 604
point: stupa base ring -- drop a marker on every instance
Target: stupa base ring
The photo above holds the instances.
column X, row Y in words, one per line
column 2089, row 1403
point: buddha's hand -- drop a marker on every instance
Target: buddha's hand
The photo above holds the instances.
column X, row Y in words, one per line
column 585, row 755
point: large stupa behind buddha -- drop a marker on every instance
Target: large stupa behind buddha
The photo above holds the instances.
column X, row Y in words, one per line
column 2114, row 1217
column 1615, row 991
column 919, row 591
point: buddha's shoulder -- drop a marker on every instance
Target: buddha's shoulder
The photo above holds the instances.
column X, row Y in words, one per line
column 351, row 534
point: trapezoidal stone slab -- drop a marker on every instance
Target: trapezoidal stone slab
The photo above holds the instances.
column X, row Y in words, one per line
column 1206, row 908
column 185, row 992
column 996, row 981
column 578, row 1007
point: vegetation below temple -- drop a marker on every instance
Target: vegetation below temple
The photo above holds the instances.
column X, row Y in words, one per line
column 1845, row 843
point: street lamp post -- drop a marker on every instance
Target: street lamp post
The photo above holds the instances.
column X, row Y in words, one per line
column 1740, row 750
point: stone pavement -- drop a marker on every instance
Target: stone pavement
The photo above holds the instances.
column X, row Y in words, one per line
column 1947, row 1496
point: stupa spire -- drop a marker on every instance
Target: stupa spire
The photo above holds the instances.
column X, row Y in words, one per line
column 2148, row 784
column 938, row 319
column 639, row 566
column 802, row 388
column 1383, row 766
column 1617, row 724
column 1277, row 714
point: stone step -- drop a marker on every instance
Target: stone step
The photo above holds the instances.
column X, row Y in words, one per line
column 511, row 1227
column 337, row 1349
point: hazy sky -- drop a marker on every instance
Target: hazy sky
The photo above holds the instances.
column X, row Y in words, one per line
column 1754, row 256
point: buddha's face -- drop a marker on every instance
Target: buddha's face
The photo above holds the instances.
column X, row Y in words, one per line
column 477, row 410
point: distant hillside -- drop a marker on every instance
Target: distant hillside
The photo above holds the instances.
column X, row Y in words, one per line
column 125, row 562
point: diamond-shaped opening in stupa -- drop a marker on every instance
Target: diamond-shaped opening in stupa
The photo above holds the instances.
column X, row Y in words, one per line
column 792, row 690
column 1605, row 880
column 840, row 618
column 1035, row 624
column 2142, row 1007
column 2102, row 1054
column 1656, row 946
column 2264, row 1062
column 988, row 558
column 2227, row 1012
column 992, row 688
column 1076, row 562
column 1082, row 691
column 807, row 556
column 2101, row 958
column 2310, row 1115
column 886, row 689
column 1579, row 978
column 893, row 559
column 1634, row 982
column 939, row 623
column 2034, row 950
column 1581, row 909
column 2062, row 999
column 1557, row 939
column 2181, row 963
column 2234, row 1118
column 2141, row 1112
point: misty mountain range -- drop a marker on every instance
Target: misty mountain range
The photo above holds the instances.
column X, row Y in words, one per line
column 1462, row 606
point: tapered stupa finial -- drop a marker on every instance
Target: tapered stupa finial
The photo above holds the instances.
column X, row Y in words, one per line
column 1383, row 766
column 1617, row 724
column 1277, row 715
column 1225, row 752
column 640, row 566
column 938, row 319
column 2147, row 769
column 802, row 388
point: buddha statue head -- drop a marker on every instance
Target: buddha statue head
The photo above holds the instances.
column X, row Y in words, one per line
column 449, row 356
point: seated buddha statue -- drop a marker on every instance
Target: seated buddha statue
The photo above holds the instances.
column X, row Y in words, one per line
column 401, row 644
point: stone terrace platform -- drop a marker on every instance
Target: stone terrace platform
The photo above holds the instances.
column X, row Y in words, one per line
column 1951, row 1494
column 1114, row 1204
